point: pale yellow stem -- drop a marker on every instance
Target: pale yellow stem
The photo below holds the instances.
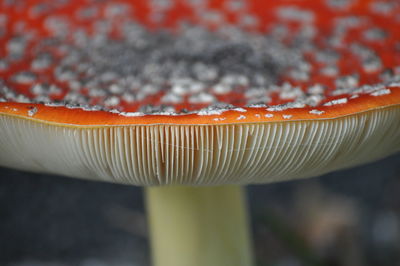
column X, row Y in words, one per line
column 199, row 226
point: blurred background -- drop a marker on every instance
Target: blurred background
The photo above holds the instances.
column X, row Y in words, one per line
column 350, row 217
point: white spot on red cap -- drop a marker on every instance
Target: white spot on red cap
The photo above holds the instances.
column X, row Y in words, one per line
column 381, row 92
column 240, row 110
column 316, row 112
column 32, row 111
column 336, row 102
column 131, row 114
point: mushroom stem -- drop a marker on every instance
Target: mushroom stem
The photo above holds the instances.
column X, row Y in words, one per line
column 199, row 226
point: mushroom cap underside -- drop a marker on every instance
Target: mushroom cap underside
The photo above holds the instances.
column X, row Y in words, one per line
column 168, row 154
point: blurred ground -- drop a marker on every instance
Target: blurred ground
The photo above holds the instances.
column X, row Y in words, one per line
column 350, row 217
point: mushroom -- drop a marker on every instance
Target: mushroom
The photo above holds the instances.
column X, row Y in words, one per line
column 190, row 101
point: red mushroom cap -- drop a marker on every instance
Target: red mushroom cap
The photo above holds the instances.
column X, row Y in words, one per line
column 198, row 92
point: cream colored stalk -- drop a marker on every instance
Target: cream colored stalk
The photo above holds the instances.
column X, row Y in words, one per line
column 199, row 226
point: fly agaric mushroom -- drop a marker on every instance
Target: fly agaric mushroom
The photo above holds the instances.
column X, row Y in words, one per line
column 177, row 95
